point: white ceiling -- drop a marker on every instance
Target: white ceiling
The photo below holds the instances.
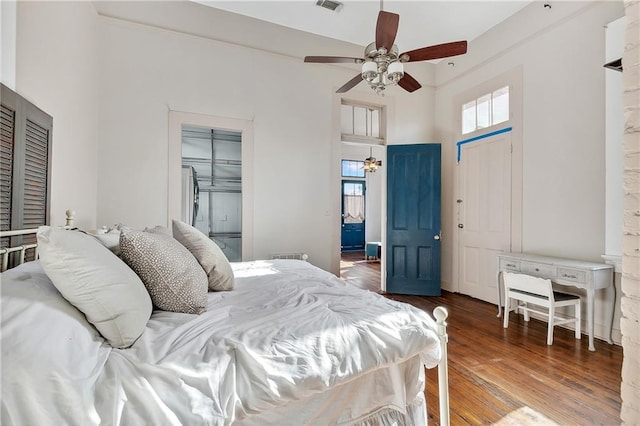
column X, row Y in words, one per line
column 422, row 23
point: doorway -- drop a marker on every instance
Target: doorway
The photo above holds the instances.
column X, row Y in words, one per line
column 177, row 120
column 486, row 204
column 484, row 213
column 353, row 215
column 212, row 185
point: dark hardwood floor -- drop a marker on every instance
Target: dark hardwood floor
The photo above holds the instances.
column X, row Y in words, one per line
column 511, row 377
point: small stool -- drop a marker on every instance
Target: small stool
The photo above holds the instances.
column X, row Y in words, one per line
column 373, row 251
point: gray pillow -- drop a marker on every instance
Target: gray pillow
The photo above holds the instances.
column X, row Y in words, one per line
column 158, row 229
column 209, row 255
column 110, row 240
column 174, row 279
column 97, row 283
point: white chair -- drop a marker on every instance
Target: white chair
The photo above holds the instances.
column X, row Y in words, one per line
column 538, row 291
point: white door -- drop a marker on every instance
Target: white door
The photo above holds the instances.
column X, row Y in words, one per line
column 484, row 213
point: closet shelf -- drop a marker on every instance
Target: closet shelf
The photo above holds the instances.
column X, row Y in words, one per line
column 225, row 234
column 218, row 161
column 226, row 190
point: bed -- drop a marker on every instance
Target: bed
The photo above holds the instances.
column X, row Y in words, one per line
column 290, row 344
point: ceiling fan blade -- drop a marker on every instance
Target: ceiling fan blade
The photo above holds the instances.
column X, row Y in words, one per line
column 409, row 83
column 438, row 51
column 386, row 29
column 350, row 84
column 333, row 60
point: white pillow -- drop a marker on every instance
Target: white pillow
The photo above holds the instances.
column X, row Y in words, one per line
column 49, row 349
column 208, row 254
column 97, row 282
column 110, row 240
column 174, row 279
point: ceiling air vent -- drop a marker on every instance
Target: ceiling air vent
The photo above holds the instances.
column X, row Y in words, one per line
column 336, row 6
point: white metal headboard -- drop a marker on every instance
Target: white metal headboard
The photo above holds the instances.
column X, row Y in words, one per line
column 22, row 249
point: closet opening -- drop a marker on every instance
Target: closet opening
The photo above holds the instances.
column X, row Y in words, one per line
column 212, row 185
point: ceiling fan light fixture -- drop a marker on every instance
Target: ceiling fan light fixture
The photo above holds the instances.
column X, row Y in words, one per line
column 370, row 163
column 383, row 64
column 395, row 71
column 381, row 74
column 369, row 71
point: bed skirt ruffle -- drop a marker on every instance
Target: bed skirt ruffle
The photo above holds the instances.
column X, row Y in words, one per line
column 414, row 414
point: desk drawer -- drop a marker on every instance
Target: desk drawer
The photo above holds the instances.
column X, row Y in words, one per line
column 509, row 265
column 573, row 275
column 538, row 269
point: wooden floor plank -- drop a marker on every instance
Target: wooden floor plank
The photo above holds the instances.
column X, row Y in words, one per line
column 511, row 376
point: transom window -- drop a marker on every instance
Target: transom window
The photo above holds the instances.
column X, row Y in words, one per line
column 486, row 111
column 352, row 168
column 362, row 123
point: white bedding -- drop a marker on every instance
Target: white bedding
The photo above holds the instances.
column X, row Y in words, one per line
column 289, row 342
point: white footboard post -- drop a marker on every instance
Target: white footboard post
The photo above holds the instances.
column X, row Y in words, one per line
column 441, row 314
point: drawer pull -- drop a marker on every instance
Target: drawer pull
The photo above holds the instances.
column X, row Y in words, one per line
column 537, row 269
column 510, row 265
column 569, row 276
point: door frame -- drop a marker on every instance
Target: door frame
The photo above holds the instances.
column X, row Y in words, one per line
column 362, row 182
column 174, row 167
column 359, row 96
column 513, row 79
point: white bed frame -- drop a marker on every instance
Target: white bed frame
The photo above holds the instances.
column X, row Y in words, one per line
column 440, row 313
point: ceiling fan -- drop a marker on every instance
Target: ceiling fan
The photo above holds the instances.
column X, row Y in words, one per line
column 382, row 65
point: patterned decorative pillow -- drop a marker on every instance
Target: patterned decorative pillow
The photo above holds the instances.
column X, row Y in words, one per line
column 208, row 254
column 174, row 279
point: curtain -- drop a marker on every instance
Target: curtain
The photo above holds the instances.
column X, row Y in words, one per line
column 353, row 208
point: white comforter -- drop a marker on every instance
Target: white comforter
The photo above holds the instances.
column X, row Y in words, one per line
column 287, row 332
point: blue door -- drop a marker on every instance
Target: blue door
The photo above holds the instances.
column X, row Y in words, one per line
column 413, row 219
column 353, row 215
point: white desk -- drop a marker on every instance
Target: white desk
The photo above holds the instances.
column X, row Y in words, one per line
column 586, row 275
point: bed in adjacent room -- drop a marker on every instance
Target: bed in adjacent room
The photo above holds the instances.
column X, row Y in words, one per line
column 287, row 344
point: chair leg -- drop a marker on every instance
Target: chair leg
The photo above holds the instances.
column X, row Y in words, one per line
column 578, row 315
column 526, row 311
column 505, row 322
column 552, row 315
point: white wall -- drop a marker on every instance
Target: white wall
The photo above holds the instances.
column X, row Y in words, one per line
column 561, row 52
column 614, row 127
column 77, row 66
column 8, row 18
column 56, row 70
column 146, row 71
column 614, row 135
